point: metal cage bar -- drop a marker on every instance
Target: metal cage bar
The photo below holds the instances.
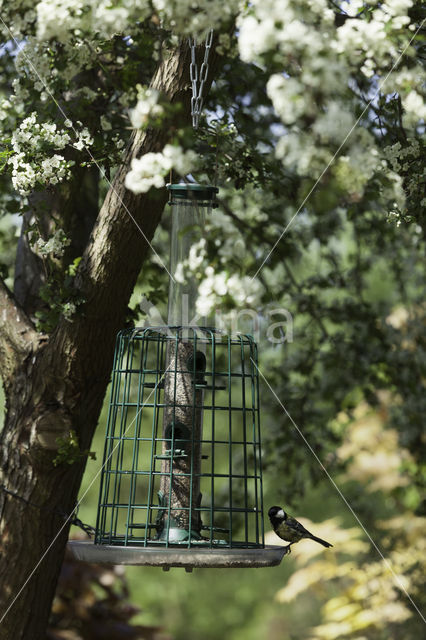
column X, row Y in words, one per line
column 219, row 463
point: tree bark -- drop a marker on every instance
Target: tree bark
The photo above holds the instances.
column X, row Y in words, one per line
column 73, row 207
column 56, row 383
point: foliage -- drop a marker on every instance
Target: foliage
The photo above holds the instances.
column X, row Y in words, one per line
column 57, row 292
column 360, row 593
column 69, row 450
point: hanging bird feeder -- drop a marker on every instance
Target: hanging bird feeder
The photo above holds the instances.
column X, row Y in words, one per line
column 181, row 481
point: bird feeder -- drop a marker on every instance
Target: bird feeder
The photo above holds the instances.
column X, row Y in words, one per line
column 181, row 481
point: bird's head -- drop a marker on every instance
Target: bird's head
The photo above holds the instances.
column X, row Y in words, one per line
column 277, row 513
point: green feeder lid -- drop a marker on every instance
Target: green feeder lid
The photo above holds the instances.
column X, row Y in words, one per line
column 192, row 191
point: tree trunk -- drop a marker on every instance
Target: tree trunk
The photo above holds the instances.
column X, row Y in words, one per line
column 57, row 383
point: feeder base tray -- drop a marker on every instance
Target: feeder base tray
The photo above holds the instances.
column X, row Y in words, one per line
column 189, row 559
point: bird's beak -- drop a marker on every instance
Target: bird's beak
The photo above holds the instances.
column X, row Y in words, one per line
column 280, row 514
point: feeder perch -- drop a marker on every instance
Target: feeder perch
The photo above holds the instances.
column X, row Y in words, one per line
column 181, row 481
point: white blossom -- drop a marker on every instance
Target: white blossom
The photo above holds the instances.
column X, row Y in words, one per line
column 67, row 19
column 414, row 107
column 68, row 310
column 334, row 124
column 197, row 254
column 190, row 266
column 35, row 159
column 105, row 123
column 186, row 17
column 84, row 140
column 146, row 108
column 151, row 169
column 179, row 274
column 54, row 246
column 5, row 106
column 287, row 96
column 242, row 290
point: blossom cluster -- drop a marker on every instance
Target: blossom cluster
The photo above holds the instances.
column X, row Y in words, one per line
column 146, row 109
column 186, row 17
column 65, row 19
column 30, row 166
column 5, row 107
column 315, row 92
column 215, row 261
column 414, row 108
column 34, row 160
column 399, row 156
column 150, row 170
column 356, row 41
column 312, row 87
column 71, row 20
column 191, row 265
column 407, row 163
column 217, row 284
column 54, row 246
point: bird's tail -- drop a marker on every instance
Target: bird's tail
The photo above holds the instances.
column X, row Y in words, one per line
column 323, row 542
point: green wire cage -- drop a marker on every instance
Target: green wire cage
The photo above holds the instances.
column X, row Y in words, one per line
column 181, row 480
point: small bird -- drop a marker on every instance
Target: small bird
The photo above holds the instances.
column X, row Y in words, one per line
column 289, row 529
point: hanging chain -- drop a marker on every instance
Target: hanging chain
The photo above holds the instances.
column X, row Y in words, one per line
column 198, row 80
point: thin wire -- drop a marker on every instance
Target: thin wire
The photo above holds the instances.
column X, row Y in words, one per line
column 87, row 528
column 77, row 506
column 22, row 52
column 339, row 149
column 386, row 562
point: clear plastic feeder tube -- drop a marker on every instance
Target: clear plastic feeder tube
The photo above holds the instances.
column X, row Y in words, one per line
column 184, row 375
column 190, row 205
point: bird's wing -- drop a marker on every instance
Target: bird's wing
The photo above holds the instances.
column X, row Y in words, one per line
column 295, row 524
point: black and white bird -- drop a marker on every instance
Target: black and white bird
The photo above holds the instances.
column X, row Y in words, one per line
column 289, row 529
